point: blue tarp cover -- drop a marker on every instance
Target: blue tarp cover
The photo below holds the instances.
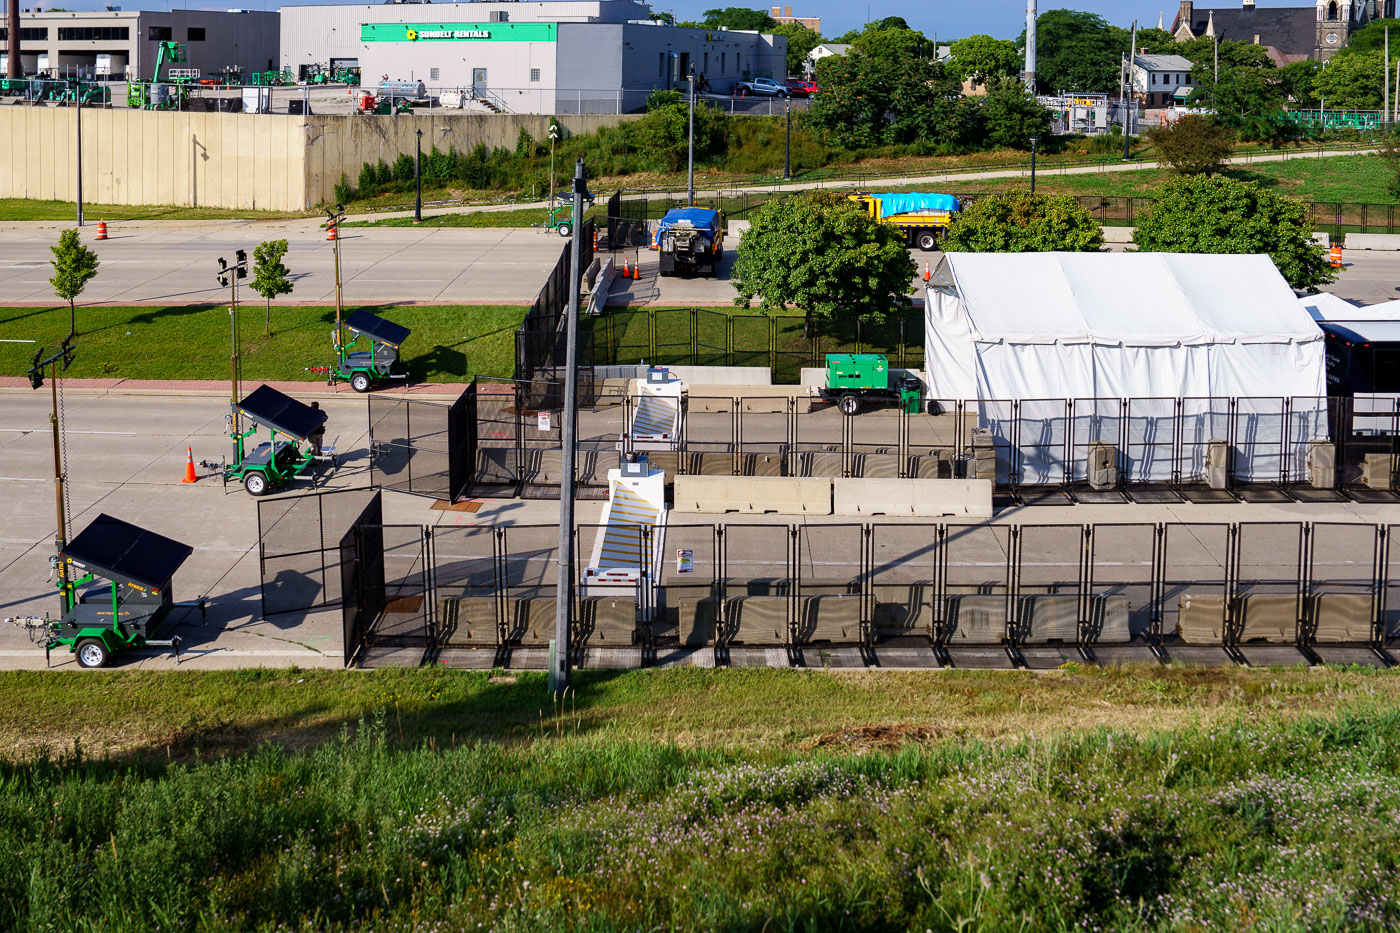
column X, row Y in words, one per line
column 909, row 203
column 699, row 217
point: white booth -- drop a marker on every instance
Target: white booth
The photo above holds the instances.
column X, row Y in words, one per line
column 1158, row 352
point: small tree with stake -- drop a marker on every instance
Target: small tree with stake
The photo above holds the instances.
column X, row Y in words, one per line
column 270, row 275
column 74, row 265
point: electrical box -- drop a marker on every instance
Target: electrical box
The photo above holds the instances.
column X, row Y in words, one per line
column 857, row 371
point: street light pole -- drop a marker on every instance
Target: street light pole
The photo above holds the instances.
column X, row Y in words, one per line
column 417, row 184
column 690, row 158
column 36, row 379
column 78, row 103
column 787, row 142
column 564, row 588
column 334, row 217
column 1131, row 98
column 1035, row 140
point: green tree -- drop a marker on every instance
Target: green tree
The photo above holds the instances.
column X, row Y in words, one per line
column 662, row 98
column 800, row 42
column 1077, row 52
column 821, row 253
column 1215, row 214
column 1193, row 145
column 1156, row 41
column 1012, row 115
column 1297, row 80
column 1202, row 53
column 876, row 100
column 270, row 275
column 1371, row 37
column 738, row 17
column 1021, row 222
column 74, row 265
column 662, row 136
column 891, row 38
column 1248, row 98
column 981, row 59
column 1353, row 80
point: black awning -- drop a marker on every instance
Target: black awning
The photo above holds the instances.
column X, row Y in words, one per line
column 376, row 328
column 282, row 413
column 111, row 547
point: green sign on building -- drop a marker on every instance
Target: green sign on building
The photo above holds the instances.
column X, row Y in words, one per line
column 458, row 32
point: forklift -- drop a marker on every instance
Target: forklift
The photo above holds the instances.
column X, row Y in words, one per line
column 130, row 569
column 366, row 369
column 272, row 463
column 853, row 379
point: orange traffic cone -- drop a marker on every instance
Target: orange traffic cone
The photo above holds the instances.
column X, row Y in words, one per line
column 626, row 268
column 927, row 274
column 189, row 467
column 637, row 269
column 102, row 229
column 330, row 230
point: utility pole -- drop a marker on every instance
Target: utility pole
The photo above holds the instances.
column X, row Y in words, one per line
column 229, row 275
column 1215, row 51
column 553, row 136
column 564, row 587
column 13, row 68
column 60, row 479
column 1132, row 101
column 1029, row 75
column 690, row 157
column 78, row 109
column 417, row 184
column 334, row 216
column 1035, row 140
column 1387, row 75
column 787, row 143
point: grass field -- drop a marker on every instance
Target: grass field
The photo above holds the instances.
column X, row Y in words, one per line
column 449, row 343
column 26, row 209
column 1149, row 799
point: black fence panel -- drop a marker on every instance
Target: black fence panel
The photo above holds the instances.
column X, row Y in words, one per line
column 411, row 446
column 362, row 578
column 299, row 547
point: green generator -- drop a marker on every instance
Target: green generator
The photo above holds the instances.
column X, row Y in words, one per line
column 131, row 569
column 852, row 379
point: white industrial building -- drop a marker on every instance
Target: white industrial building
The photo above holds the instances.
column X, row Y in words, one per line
column 121, row 44
column 549, row 56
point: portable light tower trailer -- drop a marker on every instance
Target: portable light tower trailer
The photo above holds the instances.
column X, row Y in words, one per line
column 132, row 568
column 854, row 378
column 366, row 369
column 561, row 217
column 272, row 463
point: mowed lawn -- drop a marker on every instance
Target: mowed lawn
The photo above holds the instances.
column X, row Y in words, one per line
column 35, row 209
column 448, row 343
column 684, row 799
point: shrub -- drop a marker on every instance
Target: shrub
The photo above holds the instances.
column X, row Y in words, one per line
column 343, row 192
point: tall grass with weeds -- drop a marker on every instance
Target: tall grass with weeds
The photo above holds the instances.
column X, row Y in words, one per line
column 1259, row 821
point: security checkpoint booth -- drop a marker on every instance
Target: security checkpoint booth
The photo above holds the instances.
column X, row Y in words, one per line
column 1162, row 367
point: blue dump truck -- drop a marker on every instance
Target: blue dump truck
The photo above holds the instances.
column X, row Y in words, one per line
column 689, row 239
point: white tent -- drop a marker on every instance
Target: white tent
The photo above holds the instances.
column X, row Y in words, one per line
column 1040, row 328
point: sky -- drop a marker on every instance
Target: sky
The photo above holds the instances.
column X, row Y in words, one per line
column 949, row 19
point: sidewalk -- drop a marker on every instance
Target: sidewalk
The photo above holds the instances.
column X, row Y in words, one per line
column 215, row 388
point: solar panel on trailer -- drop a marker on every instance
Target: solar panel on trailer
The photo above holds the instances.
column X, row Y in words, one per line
column 374, row 326
column 281, row 412
column 128, row 550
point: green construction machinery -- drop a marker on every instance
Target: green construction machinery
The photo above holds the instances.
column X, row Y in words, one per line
column 68, row 90
column 129, row 570
column 365, row 369
column 273, row 463
column 852, row 379
column 158, row 94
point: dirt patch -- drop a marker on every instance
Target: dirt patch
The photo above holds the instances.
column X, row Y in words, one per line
column 876, row 737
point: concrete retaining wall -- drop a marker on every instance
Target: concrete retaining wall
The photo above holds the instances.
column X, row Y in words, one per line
column 231, row 160
column 969, row 498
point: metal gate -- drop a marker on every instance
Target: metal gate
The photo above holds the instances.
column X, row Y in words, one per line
column 299, row 546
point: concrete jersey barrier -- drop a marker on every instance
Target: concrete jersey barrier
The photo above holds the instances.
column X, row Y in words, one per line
column 786, row 495
column 963, row 498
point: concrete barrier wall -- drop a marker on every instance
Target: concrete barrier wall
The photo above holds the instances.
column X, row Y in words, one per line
column 963, row 498
column 1381, row 241
column 785, row 495
column 232, row 160
column 154, row 157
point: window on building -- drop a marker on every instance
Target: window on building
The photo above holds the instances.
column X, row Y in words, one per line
column 93, row 33
column 432, row 74
column 534, row 74
column 27, row 34
column 661, row 64
column 160, row 34
column 706, row 66
column 739, row 62
column 723, row 69
column 196, row 34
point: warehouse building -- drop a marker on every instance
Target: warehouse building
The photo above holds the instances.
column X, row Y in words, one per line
column 552, row 56
column 120, row 44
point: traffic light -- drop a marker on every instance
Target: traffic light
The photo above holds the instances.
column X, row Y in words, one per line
column 36, row 371
column 242, row 257
column 223, row 271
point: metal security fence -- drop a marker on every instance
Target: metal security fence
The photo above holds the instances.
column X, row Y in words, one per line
column 1202, row 592
column 540, row 339
column 299, row 546
column 783, row 344
column 421, row 447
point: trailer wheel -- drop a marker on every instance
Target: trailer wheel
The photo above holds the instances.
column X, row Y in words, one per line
column 849, row 404
column 92, row 652
column 926, row 240
column 360, row 382
column 566, row 229
column 255, row 483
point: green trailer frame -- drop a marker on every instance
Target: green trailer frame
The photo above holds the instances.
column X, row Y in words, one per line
column 136, row 567
column 364, row 370
column 274, row 463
